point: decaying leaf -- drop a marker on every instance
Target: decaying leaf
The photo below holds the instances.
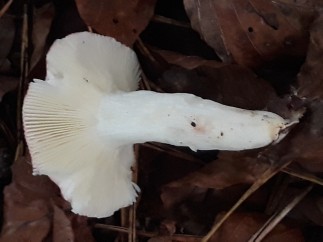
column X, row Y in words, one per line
column 241, row 226
column 228, row 84
column 34, row 209
column 7, row 34
column 123, row 20
column 43, row 18
column 7, row 84
column 231, row 168
column 310, row 78
column 249, row 32
column 27, row 209
column 62, row 228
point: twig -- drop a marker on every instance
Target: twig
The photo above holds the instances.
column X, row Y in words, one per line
column 132, row 236
column 278, row 216
column 170, row 21
column 279, row 188
column 269, row 173
column 303, row 175
column 5, row 8
column 89, row 28
column 140, row 232
column 174, row 152
column 146, row 52
column 4, row 129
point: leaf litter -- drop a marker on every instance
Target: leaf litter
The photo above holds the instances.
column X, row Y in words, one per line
column 265, row 194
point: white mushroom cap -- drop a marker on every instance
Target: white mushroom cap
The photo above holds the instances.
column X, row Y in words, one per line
column 60, row 117
column 81, row 123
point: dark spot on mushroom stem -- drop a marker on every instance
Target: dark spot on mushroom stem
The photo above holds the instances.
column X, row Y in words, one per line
column 221, row 133
column 193, row 124
column 83, row 42
column 115, row 20
column 250, row 29
column 85, row 79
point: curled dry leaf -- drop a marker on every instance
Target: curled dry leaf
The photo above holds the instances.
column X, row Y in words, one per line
column 249, row 32
column 123, row 20
column 241, row 226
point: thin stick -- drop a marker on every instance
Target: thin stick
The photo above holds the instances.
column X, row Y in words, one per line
column 303, row 175
column 5, row 8
column 124, row 222
column 89, row 28
column 132, row 235
column 174, row 152
column 269, row 173
column 140, row 232
column 145, row 51
column 278, row 216
column 170, row 21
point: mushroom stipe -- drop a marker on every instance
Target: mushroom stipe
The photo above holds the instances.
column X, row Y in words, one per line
column 82, row 121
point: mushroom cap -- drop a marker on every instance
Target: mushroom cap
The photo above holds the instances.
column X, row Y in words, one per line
column 60, row 123
column 88, row 57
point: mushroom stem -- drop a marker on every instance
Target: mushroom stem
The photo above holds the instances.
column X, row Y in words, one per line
column 185, row 120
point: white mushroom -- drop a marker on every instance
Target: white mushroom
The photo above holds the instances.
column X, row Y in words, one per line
column 81, row 123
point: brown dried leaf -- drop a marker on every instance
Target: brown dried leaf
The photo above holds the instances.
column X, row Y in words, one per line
column 34, row 210
column 174, row 239
column 7, row 35
column 304, row 143
column 123, row 20
column 231, row 85
column 26, row 206
column 7, row 84
column 249, row 32
column 241, row 226
column 62, row 227
column 230, row 169
column 312, row 209
column 43, row 18
column 187, row 62
column 310, row 78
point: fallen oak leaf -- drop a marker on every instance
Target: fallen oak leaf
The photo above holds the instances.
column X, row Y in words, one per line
column 239, row 227
column 43, row 18
column 124, row 20
column 228, row 84
column 33, row 209
column 26, row 209
column 62, row 227
column 247, row 32
column 310, row 78
column 7, row 84
column 231, row 168
column 7, row 35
